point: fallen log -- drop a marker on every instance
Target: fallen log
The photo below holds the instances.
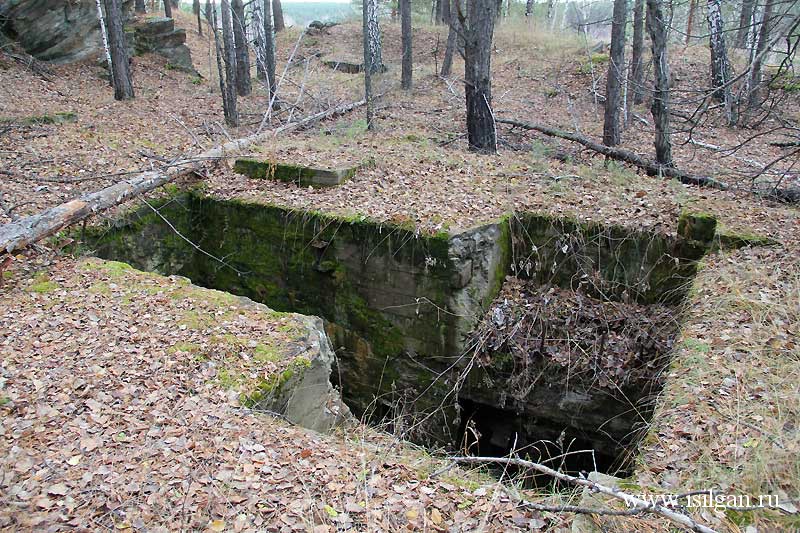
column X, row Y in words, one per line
column 23, row 232
column 651, row 167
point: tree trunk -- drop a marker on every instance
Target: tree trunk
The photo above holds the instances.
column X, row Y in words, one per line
column 551, row 13
column 373, row 34
column 277, row 13
column 616, row 72
column 479, row 27
column 762, row 42
column 446, row 15
column 269, row 47
column 120, row 66
column 196, row 11
column 405, row 23
column 745, row 22
column 690, row 20
column 636, row 84
column 452, row 37
column 167, row 9
column 720, row 67
column 229, row 53
column 367, row 6
column 139, row 7
column 437, row 12
column 529, row 7
column 243, row 85
column 657, row 28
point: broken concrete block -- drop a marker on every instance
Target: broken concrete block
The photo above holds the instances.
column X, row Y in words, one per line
column 290, row 173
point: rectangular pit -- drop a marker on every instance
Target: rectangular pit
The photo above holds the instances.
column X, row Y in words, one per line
column 401, row 308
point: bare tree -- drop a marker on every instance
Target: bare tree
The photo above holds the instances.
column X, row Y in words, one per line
column 478, row 31
column 529, row 7
column 657, row 28
column 636, row 80
column 196, row 11
column 120, row 66
column 760, row 48
column 243, row 84
column 167, row 9
column 229, row 54
column 139, row 7
column 745, row 19
column 616, row 69
column 368, row 5
column 372, row 33
column 690, row 20
column 268, row 50
column 720, row 65
column 405, row 23
column 452, row 38
column 277, row 13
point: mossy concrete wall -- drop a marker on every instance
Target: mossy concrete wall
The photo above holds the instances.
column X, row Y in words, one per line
column 398, row 305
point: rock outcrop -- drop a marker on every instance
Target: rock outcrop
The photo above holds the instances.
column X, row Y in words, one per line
column 61, row 31
column 64, row 31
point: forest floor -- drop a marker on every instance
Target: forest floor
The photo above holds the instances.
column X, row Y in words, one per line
column 728, row 416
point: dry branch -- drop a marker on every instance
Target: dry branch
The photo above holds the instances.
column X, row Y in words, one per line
column 26, row 231
column 651, row 167
column 631, row 501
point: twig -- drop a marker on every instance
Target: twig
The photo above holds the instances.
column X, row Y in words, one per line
column 631, row 501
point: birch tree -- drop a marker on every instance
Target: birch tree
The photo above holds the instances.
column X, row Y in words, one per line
column 720, row 65
column 229, row 55
column 243, row 85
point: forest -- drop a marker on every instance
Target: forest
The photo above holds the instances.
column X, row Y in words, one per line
column 400, row 265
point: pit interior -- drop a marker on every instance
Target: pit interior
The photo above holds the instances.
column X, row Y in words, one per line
column 539, row 335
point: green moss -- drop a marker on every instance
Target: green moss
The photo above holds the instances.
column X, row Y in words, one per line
column 594, row 61
column 272, row 387
column 697, row 346
column 227, row 379
column 730, row 240
column 42, row 284
column 4, row 400
column 188, row 347
column 263, row 354
column 699, row 227
column 59, row 117
column 7, row 274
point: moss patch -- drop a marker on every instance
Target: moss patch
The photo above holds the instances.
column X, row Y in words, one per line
column 42, row 284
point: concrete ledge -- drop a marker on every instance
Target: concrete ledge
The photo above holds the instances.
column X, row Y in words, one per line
column 290, row 173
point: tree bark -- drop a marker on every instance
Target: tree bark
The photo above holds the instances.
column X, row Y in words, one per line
column 636, row 83
column 229, row 54
column 762, row 42
column 437, row 12
column 452, row 38
column 120, row 65
column 277, row 13
column 479, row 28
column 22, row 233
column 367, row 6
column 139, row 8
column 657, row 28
column 745, row 22
column 446, row 15
column 529, row 7
column 720, row 66
column 167, row 9
column 196, row 11
column 243, row 85
column 269, row 47
column 690, row 20
column 616, row 73
column 372, row 32
column 551, row 13
column 405, row 23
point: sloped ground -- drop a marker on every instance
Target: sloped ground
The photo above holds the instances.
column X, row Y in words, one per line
column 728, row 417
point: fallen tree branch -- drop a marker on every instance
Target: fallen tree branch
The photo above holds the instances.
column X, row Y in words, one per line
column 26, row 231
column 632, row 502
column 620, row 154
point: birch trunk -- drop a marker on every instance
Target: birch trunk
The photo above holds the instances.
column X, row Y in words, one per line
column 367, row 6
column 229, row 54
column 120, row 65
